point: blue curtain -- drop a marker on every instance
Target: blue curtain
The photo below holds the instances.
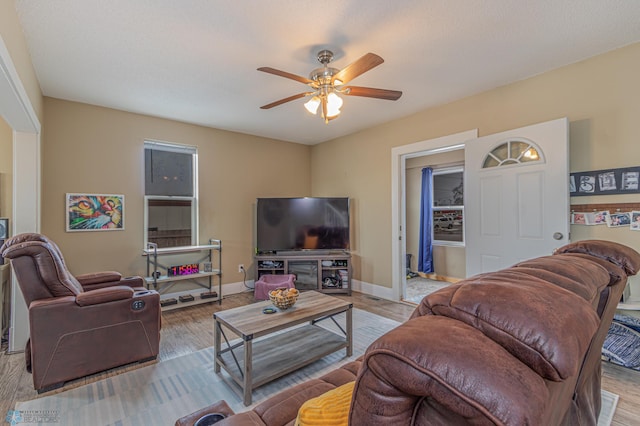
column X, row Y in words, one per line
column 425, row 250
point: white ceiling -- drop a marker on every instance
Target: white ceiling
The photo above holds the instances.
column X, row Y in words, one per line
column 195, row 60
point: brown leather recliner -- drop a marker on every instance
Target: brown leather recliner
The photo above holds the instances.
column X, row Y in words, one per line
column 80, row 325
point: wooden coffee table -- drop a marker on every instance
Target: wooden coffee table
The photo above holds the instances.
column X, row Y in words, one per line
column 263, row 354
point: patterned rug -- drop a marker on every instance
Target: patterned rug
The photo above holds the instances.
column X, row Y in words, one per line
column 163, row 392
column 418, row 287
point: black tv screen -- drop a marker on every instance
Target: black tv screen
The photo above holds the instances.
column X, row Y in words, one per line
column 285, row 224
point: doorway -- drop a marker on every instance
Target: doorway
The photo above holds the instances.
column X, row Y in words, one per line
column 445, row 263
column 19, row 114
column 400, row 156
column 517, row 201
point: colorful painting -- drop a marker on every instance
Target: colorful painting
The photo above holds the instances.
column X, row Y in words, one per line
column 95, row 212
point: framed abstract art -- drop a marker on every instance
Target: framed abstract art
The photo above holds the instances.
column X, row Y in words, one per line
column 94, row 212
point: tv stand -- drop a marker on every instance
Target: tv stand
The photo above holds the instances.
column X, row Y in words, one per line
column 326, row 272
column 293, row 253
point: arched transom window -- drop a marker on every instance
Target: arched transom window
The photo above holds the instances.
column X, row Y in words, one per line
column 512, row 152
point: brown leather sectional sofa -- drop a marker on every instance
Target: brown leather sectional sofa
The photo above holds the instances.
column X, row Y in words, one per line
column 519, row 346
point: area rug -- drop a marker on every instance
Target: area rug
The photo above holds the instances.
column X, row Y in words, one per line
column 161, row 393
column 418, row 287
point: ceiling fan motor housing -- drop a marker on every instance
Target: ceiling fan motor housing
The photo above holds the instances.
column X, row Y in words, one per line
column 323, row 75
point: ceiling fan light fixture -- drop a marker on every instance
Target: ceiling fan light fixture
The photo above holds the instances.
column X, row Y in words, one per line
column 312, row 105
column 327, row 83
column 334, row 103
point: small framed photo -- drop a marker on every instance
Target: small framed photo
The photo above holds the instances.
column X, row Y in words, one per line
column 207, row 267
column 587, row 184
column 4, row 228
column 607, row 181
column 630, row 181
column 635, row 221
column 94, row 212
column 578, row 218
column 598, row 218
column 615, row 220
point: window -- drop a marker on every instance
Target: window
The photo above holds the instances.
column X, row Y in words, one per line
column 171, row 194
column 511, row 152
column 448, row 206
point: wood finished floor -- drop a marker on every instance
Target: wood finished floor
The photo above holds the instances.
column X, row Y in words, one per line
column 190, row 329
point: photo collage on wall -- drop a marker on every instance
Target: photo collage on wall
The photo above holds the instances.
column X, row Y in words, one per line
column 629, row 220
column 605, row 182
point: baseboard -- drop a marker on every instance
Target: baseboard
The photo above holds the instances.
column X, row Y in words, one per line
column 439, row 277
column 372, row 289
column 356, row 285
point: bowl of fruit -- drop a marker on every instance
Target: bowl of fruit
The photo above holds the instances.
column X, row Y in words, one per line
column 284, row 298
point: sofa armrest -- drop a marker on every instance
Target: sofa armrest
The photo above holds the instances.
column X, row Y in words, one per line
column 103, row 295
column 99, row 277
column 220, row 407
column 438, row 367
column 97, row 280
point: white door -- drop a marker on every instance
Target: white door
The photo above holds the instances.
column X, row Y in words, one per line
column 516, row 191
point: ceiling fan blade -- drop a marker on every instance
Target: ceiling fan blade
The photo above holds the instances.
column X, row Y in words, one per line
column 369, row 92
column 285, row 100
column 285, row 74
column 362, row 65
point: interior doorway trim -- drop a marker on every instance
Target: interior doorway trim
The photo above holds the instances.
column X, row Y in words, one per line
column 18, row 112
column 399, row 155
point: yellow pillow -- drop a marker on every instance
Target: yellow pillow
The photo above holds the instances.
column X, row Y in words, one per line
column 329, row 409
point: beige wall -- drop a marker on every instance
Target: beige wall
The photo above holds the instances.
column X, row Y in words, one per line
column 98, row 150
column 599, row 96
column 13, row 38
column 6, row 169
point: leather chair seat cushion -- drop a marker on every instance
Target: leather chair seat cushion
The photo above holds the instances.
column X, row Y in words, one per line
column 529, row 317
column 618, row 254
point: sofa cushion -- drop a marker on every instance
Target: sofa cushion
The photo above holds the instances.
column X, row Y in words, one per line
column 581, row 274
column 283, row 407
column 329, row 409
column 452, row 364
column 545, row 326
column 616, row 273
column 621, row 255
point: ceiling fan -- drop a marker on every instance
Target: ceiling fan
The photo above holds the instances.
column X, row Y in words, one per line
column 328, row 82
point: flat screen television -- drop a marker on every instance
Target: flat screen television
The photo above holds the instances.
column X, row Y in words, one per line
column 296, row 224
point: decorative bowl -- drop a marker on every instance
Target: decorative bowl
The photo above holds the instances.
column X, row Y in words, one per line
column 284, row 298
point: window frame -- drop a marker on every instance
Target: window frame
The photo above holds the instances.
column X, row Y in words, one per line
column 434, row 208
column 195, row 217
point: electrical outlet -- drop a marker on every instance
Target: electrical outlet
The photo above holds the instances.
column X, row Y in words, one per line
column 241, row 268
